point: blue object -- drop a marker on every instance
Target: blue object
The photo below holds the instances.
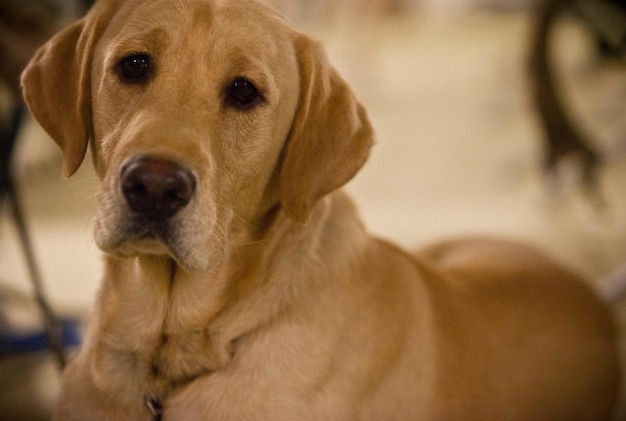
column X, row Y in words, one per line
column 12, row 343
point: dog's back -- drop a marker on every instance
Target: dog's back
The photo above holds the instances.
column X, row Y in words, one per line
column 518, row 329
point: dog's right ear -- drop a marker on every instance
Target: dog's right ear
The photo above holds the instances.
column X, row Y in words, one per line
column 330, row 138
column 56, row 88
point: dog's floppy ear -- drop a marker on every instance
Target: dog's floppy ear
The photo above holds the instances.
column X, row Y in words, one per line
column 330, row 138
column 56, row 88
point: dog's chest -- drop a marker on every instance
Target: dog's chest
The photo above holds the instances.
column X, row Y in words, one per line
column 161, row 334
column 187, row 355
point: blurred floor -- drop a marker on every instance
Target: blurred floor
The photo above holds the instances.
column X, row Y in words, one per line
column 458, row 152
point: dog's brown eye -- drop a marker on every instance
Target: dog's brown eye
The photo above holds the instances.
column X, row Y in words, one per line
column 135, row 68
column 243, row 93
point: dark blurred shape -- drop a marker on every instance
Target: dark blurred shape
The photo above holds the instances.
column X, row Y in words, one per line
column 564, row 139
column 607, row 19
column 27, row 24
column 24, row 26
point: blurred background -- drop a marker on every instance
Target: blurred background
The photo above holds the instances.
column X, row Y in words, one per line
column 461, row 146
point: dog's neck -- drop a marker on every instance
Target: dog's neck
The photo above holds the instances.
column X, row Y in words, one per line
column 256, row 282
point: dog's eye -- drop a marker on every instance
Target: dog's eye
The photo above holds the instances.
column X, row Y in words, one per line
column 242, row 93
column 135, row 68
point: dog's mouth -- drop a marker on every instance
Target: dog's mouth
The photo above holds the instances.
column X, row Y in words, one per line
column 138, row 235
column 194, row 250
column 149, row 236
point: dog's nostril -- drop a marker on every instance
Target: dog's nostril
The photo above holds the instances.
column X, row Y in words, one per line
column 156, row 188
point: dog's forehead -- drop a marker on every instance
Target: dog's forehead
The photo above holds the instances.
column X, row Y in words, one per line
column 226, row 36
column 238, row 21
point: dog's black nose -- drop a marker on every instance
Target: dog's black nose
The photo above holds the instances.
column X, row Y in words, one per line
column 156, row 188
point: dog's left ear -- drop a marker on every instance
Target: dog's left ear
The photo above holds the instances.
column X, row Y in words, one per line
column 330, row 138
column 56, row 86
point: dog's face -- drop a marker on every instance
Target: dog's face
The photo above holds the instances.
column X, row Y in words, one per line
column 204, row 117
column 210, row 98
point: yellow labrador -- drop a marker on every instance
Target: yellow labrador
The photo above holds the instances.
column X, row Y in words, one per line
column 240, row 283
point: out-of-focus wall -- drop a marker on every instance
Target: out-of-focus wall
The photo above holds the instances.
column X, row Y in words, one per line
column 307, row 10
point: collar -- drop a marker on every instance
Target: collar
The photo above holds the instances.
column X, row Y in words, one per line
column 155, row 407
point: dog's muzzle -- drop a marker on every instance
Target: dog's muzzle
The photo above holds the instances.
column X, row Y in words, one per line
column 156, row 189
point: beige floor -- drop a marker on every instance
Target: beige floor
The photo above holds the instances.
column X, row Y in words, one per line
column 458, row 153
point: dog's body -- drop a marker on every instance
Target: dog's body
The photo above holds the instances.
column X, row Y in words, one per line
column 240, row 284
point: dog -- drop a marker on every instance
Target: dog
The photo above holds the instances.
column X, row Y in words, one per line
column 239, row 281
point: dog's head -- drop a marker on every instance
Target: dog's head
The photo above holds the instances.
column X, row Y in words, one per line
column 203, row 117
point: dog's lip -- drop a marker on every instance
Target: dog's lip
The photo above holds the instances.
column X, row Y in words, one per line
column 142, row 240
column 149, row 229
column 141, row 246
column 135, row 230
column 140, row 228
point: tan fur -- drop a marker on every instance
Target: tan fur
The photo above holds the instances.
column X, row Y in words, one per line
column 268, row 300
